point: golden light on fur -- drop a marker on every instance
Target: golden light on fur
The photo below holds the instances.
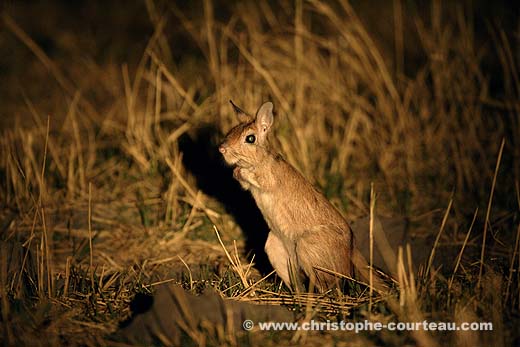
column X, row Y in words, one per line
column 306, row 231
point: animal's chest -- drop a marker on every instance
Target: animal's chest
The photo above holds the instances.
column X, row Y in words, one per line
column 281, row 214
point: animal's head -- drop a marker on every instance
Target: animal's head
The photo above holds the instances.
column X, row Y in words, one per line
column 246, row 144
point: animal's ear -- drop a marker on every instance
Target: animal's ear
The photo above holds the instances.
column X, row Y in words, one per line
column 241, row 114
column 264, row 116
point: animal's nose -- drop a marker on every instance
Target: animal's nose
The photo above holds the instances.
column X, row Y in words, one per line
column 222, row 149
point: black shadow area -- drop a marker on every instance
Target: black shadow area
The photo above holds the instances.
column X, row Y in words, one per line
column 202, row 158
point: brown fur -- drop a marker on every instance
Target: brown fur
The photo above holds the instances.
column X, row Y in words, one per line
column 306, row 231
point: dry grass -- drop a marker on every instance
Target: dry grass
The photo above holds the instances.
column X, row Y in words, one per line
column 99, row 203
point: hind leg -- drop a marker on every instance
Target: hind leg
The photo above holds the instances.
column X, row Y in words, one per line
column 328, row 250
column 280, row 259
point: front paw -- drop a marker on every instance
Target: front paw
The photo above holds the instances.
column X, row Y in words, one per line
column 237, row 174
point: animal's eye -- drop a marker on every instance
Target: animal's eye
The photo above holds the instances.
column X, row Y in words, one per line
column 250, row 139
